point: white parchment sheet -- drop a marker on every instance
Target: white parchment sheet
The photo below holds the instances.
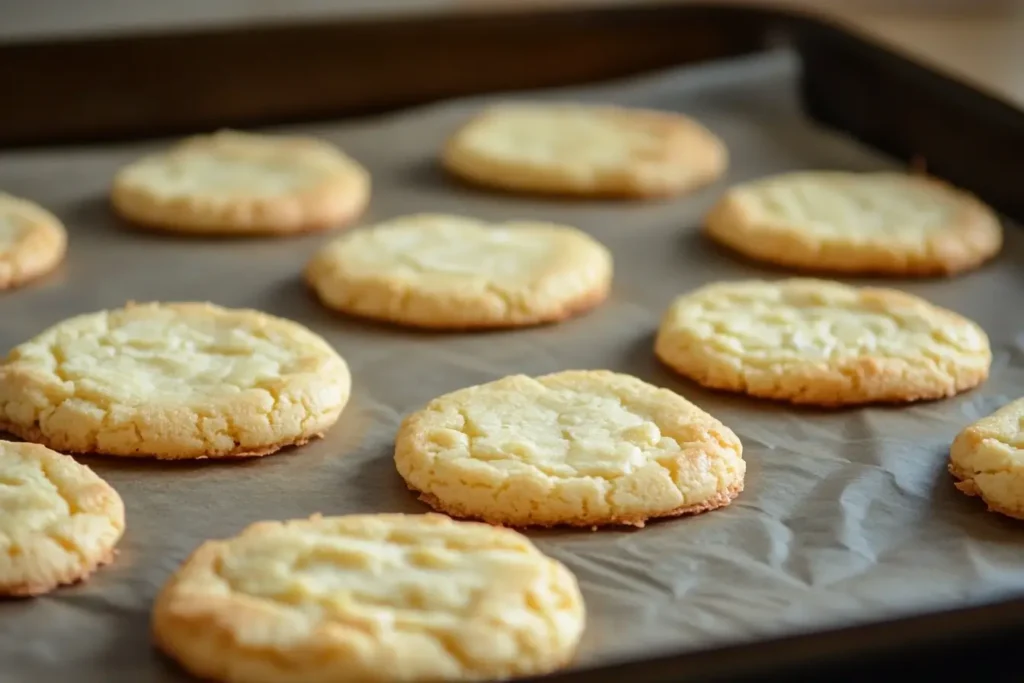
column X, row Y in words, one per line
column 847, row 515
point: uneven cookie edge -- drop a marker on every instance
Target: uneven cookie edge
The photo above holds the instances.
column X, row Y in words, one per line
column 32, row 589
column 720, row 500
column 192, row 222
column 54, row 237
column 966, row 485
column 473, row 169
column 176, row 636
column 571, row 309
column 34, row 435
column 822, row 399
column 978, row 234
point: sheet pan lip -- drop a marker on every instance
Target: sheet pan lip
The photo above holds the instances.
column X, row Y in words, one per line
column 769, row 17
column 807, row 654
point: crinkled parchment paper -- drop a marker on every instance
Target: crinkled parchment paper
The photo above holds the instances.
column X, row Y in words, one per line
column 847, row 515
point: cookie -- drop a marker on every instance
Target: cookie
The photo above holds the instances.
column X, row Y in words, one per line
column 242, row 184
column 449, row 272
column 587, row 150
column 821, row 343
column 857, row 223
column 987, row 459
column 181, row 380
column 579, row 448
column 59, row 521
column 32, row 241
column 369, row 598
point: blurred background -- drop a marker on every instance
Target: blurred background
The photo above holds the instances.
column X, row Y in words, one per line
column 234, row 61
column 44, row 18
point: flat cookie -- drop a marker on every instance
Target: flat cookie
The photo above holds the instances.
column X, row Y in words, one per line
column 243, row 184
column 58, row 520
column 821, row 343
column 576, row 149
column 580, row 448
column 369, row 598
column 438, row 271
column 857, row 223
column 32, row 241
column 184, row 380
column 987, row 459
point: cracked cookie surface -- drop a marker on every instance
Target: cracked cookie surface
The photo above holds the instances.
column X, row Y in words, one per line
column 881, row 223
column 987, row 459
column 59, row 521
column 581, row 448
column 242, row 183
column 449, row 272
column 32, row 241
column 587, row 150
column 180, row 380
column 365, row 598
column 821, row 343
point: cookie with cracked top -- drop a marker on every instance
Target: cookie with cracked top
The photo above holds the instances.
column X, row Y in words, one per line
column 173, row 380
column 857, row 223
column 585, row 150
column 60, row 520
column 987, row 460
column 447, row 272
column 358, row 598
column 32, row 241
column 821, row 343
column 234, row 183
column 582, row 448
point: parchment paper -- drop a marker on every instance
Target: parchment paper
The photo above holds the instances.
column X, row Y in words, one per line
column 847, row 516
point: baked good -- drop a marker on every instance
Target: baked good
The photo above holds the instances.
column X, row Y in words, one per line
column 822, row 343
column 32, row 241
column 585, row 150
column 179, row 380
column 369, row 598
column 449, row 272
column 987, row 459
column 232, row 183
column 59, row 521
column 580, row 448
column 857, row 223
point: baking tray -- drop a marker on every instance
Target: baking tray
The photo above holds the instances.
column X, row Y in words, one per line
column 848, row 518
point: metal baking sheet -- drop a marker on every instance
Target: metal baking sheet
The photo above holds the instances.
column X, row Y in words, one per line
column 847, row 516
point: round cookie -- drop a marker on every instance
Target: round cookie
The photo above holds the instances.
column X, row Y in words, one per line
column 449, row 272
column 59, row 521
column 242, row 184
column 987, row 459
column 369, row 598
column 588, row 150
column 183, row 380
column 821, row 343
column 857, row 223
column 580, row 448
column 32, row 241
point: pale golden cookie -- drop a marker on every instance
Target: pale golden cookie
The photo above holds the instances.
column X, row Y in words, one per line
column 822, row 343
column 32, row 241
column 58, row 520
column 582, row 448
column 439, row 271
column 369, row 598
column 242, row 183
column 183, row 380
column 987, row 458
column 881, row 223
column 577, row 149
